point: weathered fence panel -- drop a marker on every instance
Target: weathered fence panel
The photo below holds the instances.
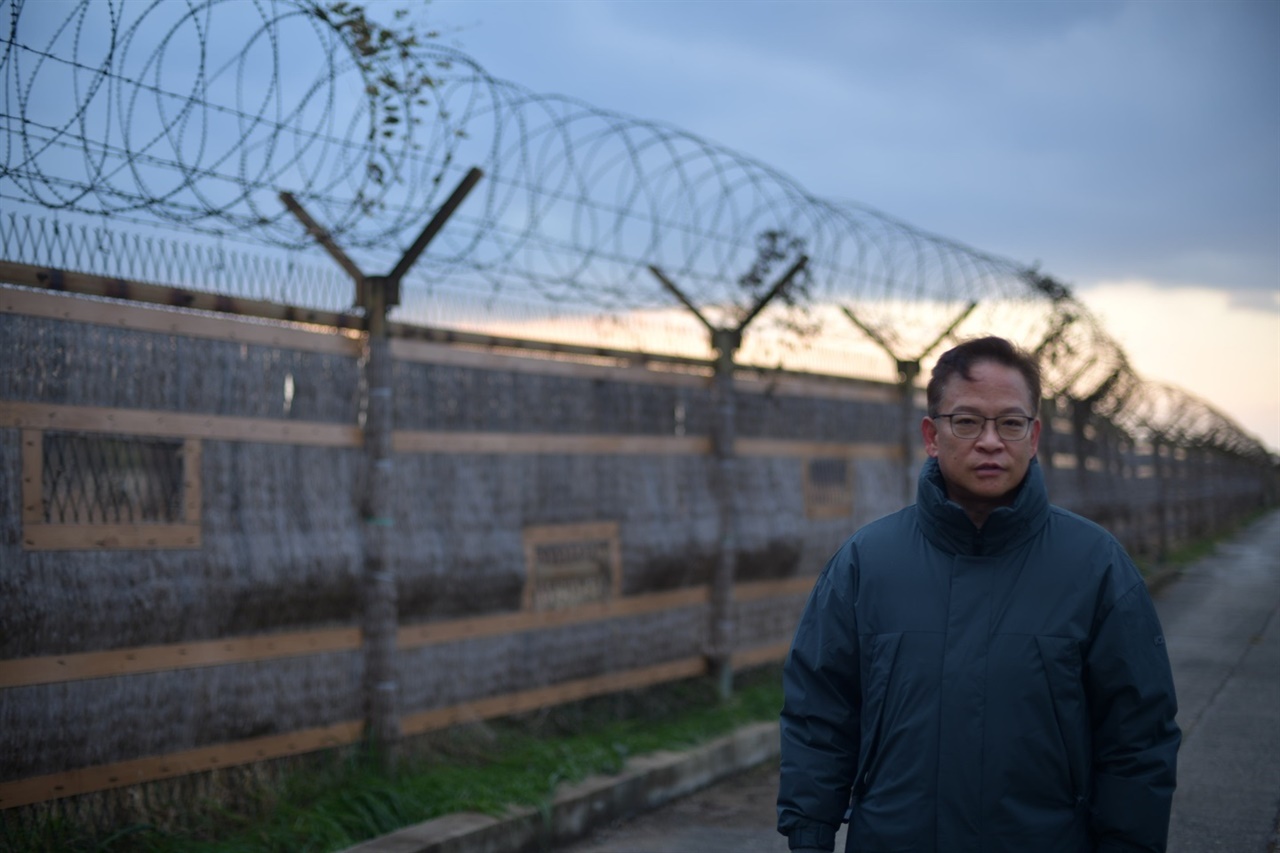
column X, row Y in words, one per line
column 553, row 529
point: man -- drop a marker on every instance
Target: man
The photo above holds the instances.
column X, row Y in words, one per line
column 981, row 671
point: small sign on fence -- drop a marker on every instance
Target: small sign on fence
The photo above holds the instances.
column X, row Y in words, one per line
column 568, row 565
column 828, row 487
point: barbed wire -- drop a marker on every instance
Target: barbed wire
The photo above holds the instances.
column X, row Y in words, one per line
column 196, row 114
column 172, row 116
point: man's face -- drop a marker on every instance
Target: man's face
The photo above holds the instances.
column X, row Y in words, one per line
column 981, row 473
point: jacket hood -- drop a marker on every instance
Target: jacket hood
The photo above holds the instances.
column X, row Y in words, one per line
column 948, row 527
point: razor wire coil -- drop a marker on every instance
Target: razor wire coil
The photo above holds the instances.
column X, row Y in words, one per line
column 195, row 114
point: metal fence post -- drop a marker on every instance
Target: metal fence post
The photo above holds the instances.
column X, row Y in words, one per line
column 380, row 618
column 725, row 341
column 909, row 430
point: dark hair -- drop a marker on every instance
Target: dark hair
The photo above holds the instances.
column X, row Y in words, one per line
column 964, row 357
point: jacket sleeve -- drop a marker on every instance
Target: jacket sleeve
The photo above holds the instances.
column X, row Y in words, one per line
column 1135, row 739
column 821, row 712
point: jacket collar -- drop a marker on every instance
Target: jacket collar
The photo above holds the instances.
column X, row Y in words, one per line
column 948, row 528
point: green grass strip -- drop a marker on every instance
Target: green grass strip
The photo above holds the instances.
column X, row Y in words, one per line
column 334, row 802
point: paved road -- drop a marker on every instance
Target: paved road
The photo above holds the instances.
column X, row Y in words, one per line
column 1222, row 623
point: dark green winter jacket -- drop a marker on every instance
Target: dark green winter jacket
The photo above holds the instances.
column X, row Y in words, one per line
column 1003, row 689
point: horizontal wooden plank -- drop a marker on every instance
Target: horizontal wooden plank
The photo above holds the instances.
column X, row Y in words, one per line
column 611, row 366
column 269, row 430
column 49, row 669
column 177, row 424
column 505, row 345
column 553, row 359
column 168, row 321
column 104, row 777
column 745, row 658
column 22, row 672
column 818, row 385
column 543, row 533
column 453, row 630
column 554, row 694
column 756, row 590
column 296, row 327
column 32, row 477
column 422, row 441
column 97, row 537
column 427, row 441
column 809, row 449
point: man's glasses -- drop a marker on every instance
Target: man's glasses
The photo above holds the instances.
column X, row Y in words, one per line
column 1008, row 427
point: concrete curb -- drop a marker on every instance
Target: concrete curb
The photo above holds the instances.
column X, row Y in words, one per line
column 1161, row 577
column 645, row 783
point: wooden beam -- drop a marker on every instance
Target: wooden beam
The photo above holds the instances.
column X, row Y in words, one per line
column 419, row 343
column 32, row 477
column 177, row 424
column 622, row 366
column 409, row 343
column 555, row 694
column 424, row 441
column 815, row 385
column 615, row 367
column 760, row 655
column 453, row 630
column 191, row 501
column 54, row 786
column 431, row 441
column 145, row 318
column 37, row 416
column 51, row 669
column 24, row 672
column 790, row 447
column 756, row 590
column 85, row 780
column 594, row 530
column 101, row 537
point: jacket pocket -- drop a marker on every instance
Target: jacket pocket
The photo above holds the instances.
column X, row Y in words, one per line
column 880, row 652
column 1060, row 658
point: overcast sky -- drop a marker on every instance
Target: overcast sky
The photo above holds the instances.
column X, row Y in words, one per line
column 1133, row 143
column 1132, row 149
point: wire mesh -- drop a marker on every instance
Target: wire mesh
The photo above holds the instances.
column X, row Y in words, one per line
column 111, row 479
column 157, row 257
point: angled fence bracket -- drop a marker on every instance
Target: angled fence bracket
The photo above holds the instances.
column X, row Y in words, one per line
column 908, row 370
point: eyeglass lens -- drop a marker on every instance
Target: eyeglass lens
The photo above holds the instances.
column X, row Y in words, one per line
column 1008, row 427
